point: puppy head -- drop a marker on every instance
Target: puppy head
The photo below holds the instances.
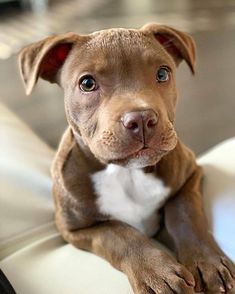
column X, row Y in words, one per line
column 119, row 88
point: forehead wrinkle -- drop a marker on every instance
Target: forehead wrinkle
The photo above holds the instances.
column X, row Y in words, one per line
column 116, row 38
column 157, row 56
column 123, row 45
column 100, row 66
column 118, row 50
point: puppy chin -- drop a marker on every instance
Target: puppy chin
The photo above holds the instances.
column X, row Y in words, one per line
column 141, row 162
column 134, row 161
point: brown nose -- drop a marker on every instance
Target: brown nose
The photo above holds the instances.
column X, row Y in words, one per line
column 141, row 124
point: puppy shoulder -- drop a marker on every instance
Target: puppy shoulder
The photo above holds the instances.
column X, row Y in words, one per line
column 177, row 166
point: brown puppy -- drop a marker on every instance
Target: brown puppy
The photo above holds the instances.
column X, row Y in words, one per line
column 120, row 161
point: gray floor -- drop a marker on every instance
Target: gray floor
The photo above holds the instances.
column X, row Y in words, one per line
column 207, row 103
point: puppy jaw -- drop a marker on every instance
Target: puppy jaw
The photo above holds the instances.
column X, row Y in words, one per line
column 131, row 155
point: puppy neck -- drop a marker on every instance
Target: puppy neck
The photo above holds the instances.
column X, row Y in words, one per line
column 86, row 153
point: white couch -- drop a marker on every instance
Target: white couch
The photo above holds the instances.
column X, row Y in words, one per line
column 32, row 254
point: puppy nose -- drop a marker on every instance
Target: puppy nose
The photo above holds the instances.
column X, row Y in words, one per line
column 140, row 123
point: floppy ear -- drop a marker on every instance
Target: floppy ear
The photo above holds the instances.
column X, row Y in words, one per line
column 178, row 44
column 44, row 59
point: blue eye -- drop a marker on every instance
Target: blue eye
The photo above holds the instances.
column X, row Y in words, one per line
column 87, row 84
column 163, row 74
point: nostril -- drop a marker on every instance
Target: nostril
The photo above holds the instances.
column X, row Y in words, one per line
column 151, row 122
column 132, row 121
column 133, row 126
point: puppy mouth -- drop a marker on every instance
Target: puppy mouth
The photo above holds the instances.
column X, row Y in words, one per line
column 144, row 151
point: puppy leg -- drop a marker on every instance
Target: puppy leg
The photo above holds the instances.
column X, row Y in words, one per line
column 195, row 246
column 149, row 269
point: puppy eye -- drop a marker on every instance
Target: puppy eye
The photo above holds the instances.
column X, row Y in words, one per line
column 87, row 84
column 163, row 74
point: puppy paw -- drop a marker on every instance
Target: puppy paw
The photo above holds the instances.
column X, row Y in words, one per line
column 213, row 272
column 159, row 273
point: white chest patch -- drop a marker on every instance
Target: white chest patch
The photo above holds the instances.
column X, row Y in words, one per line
column 131, row 196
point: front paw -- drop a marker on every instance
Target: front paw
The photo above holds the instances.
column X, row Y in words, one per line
column 212, row 270
column 156, row 272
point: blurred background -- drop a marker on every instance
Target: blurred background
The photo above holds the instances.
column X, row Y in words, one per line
column 207, row 100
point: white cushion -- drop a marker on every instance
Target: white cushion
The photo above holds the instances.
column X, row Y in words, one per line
column 26, row 207
column 33, row 255
column 219, row 193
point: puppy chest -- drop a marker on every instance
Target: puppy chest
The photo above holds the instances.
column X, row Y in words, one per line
column 131, row 196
